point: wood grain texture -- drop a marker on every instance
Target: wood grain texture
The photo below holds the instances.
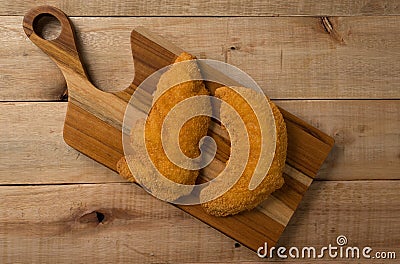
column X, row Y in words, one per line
column 32, row 142
column 364, row 211
column 289, row 57
column 94, row 121
column 357, row 59
column 366, row 133
column 39, row 223
column 209, row 8
column 367, row 142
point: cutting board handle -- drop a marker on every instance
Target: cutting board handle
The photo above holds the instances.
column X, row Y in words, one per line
column 62, row 49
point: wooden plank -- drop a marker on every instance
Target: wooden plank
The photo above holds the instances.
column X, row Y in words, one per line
column 363, row 211
column 33, row 149
column 207, row 8
column 289, row 57
column 39, row 222
column 366, row 148
column 366, row 133
column 346, row 58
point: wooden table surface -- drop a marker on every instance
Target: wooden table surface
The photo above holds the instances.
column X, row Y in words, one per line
column 336, row 64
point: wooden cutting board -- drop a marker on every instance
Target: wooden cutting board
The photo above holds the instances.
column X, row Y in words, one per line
column 94, row 119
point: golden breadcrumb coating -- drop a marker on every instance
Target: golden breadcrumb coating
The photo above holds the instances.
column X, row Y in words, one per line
column 165, row 98
column 124, row 171
column 239, row 197
column 191, row 132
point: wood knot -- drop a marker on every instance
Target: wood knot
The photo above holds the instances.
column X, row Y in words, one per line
column 95, row 217
column 104, row 216
column 343, row 137
column 330, row 28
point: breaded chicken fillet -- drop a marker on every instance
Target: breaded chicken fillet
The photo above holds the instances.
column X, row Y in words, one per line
column 239, row 197
column 166, row 97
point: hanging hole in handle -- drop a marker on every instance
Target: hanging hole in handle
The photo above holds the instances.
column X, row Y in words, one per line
column 47, row 26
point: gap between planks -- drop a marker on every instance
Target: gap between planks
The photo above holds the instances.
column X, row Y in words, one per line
column 215, row 8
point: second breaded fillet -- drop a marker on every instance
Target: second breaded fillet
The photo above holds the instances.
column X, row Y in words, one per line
column 239, row 197
column 168, row 95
